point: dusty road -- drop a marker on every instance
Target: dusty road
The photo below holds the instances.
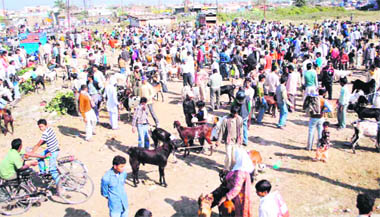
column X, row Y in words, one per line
column 310, row 188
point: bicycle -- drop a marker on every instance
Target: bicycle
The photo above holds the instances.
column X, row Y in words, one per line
column 74, row 187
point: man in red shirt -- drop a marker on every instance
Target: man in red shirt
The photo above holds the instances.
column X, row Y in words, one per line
column 112, row 42
column 268, row 61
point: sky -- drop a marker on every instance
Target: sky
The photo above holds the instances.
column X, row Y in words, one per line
column 20, row 4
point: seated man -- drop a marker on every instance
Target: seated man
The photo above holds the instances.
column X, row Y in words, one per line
column 5, row 90
column 13, row 163
column 51, row 65
column 3, row 103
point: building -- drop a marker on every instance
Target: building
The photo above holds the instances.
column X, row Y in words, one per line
column 151, row 20
column 41, row 10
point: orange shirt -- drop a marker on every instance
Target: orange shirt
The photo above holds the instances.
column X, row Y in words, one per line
column 112, row 43
column 84, row 104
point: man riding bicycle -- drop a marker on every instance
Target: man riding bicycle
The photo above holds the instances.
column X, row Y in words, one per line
column 52, row 151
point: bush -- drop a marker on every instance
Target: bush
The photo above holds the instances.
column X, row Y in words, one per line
column 62, row 103
column 26, row 86
column 23, row 71
column 299, row 3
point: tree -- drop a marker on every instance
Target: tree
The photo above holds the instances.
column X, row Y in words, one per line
column 60, row 4
column 299, row 3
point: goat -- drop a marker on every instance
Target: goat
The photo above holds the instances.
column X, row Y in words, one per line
column 160, row 134
column 364, row 112
column 6, row 115
column 157, row 87
column 205, row 203
column 188, row 134
column 229, row 90
column 365, row 128
column 272, row 104
column 366, row 87
column 158, row 157
column 38, row 80
column 129, row 102
column 51, row 75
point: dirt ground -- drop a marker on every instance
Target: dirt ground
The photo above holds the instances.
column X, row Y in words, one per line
column 309, row 188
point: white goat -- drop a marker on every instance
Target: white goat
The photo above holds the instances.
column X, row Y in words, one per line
column 365, row 128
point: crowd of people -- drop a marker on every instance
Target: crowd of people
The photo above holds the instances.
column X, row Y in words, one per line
column 265, row 61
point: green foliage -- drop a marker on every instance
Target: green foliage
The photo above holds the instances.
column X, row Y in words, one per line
column 293, row 14
column 62, row 103
column 299, row 3
column 292, row 11
column 82, row 15
column 60, row 4
column 26, row 86
column 23, row 71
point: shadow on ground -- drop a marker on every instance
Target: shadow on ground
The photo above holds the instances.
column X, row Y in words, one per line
column 292, row 156
column 346, row 146
column 373, row 192
column 183, row 207
column 265, row 142
column 71, row 212
column 69, row 131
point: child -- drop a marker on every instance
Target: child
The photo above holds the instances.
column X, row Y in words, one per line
column 202, row 114
column 143, row 213
column 324, row 144
column 271, row 203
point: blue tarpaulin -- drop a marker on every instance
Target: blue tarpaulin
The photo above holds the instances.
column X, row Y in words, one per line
column 31, row 41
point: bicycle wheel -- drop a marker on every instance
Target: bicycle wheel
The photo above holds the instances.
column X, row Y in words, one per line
column 74, row 168
column 14, row 200
column 75, row 190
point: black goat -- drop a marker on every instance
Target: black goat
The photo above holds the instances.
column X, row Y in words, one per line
column 366, row 87
column 160, row 135
column 229, row 90
column 364, row 112
column 158, row 157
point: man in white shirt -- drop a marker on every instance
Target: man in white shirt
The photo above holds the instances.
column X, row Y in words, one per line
column 188, row 70
column 272, row 80
column 112, row 102
column 99, row 77
column 294, row 81
column 11, row 70
column 215, row 83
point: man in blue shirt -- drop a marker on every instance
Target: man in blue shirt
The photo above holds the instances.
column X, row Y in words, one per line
column 224, row 59
column 112, row 188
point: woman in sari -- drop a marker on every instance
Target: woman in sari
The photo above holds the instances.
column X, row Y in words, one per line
column 237, row 186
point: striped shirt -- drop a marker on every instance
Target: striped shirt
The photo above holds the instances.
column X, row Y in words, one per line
column 49, row 137
column 140, row 116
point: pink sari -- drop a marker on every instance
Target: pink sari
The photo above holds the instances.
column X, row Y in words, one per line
column 239, row 183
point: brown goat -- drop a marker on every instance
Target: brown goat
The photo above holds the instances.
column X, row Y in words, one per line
column 6, row 115
column 272, row 105
column 188, row 134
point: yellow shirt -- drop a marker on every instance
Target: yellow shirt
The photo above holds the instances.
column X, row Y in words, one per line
column 146, row 90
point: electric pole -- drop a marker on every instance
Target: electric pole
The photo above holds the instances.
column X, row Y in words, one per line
column 68, row 13
column 121, row 7
column 4, row 13
column 265, row 8
column 84, row 5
